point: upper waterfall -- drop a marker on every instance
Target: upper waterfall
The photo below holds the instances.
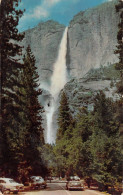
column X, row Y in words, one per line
column 58, row 80
column 59, row 77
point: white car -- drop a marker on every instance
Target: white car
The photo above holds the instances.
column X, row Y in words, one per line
column 74, row 185
column 8, row 185
column 76, row 178
column 37, row 182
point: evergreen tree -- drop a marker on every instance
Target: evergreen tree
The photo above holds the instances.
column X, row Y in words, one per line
column 119, row 51
column 31, row 79
column 82, row 133
column 104, row 110
column 105, row 143
column 65, row 125
column 34, row 138
column 49, row 159
column 10, row 95
column 64, row 117
column 119, row 66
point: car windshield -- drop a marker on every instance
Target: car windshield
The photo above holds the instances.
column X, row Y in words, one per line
column 76, row 177
column 11, row 181
column 39, row 180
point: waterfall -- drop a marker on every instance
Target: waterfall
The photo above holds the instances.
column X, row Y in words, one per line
column 58, row 80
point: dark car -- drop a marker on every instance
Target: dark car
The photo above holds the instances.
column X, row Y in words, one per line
column 74, row 185
column 37, row 182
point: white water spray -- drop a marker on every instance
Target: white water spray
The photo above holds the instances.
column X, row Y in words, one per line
column 58, row 80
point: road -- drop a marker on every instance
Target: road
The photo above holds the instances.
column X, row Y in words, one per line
column 59, row 189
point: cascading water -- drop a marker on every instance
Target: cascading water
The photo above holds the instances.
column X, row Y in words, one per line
column 58, row 80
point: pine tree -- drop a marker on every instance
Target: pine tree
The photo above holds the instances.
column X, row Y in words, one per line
column 31, row 79
column 105, row 143
column 65, row 122
column 10, row 95
column 64, row 117
column 104, row 110
column 119, row 66
column 119, row 51
column 34, row 137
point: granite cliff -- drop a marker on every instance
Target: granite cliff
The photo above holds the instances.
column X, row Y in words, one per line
column 81, row 92
column 44, row 41
column 92, row 39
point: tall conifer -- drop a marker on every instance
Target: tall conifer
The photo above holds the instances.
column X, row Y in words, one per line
column 64, row 118
column 34, row 132
column 119, row 51
column 10, row 95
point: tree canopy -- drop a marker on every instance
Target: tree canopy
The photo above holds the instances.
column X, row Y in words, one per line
column 10, row 85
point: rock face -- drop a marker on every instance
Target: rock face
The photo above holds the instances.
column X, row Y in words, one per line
column 82, row 92
column 44, row 41
column 92, row 39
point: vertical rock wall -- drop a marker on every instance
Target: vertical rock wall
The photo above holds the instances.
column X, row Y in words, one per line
column 44, row 40
column 92, row 39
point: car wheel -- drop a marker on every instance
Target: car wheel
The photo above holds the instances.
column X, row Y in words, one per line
column 39, row 187
column 15, row 192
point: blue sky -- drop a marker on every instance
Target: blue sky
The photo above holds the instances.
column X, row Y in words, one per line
column 58, row 10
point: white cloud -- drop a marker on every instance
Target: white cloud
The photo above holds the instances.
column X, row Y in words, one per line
column 41, row 11
column 50, row 3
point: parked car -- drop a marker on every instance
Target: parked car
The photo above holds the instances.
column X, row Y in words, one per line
column 49, row 178
column 71, row 178
column 8, row 185
column 74, row 185
column 94, row 185
column 37, row 182
column 76, row 178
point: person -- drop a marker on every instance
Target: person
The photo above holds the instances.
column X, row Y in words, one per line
column 88, row 181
